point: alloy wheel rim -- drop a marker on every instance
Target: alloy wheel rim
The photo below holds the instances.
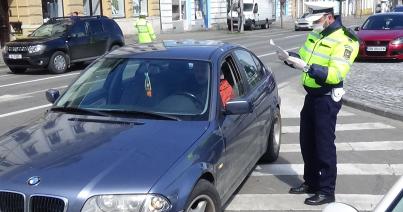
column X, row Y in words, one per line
column 202, row 203
column 60, row 62
column 276, row 136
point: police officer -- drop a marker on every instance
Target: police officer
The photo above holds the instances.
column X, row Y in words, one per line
column 325, row 59
column 144, row 29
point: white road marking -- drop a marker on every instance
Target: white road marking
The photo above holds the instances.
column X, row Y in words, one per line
column 24, row 110
column 290, row 202
column 6, row 98
column 271, row 53
column 342, row 169
column 37, row 80
column 291, row 36
column 292, row 114
column 345, row 127
column 353, row 146
column 34, row 92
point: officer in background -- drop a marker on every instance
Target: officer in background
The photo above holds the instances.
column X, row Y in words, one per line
column 325, row 59
column 144, row 29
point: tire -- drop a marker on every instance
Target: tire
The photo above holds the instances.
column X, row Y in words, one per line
column 266, row 25
column 58, row 63
column 274, row 140
column 204, row 197
column 252, row 26
column 114, row 47
column 17, row 70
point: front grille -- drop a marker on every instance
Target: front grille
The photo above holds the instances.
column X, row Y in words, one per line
column 47, row 204
column 17, row 49
column 14, row 202
column 375, row 53
column 18, row 62
column 377, row 43
column 11, row 202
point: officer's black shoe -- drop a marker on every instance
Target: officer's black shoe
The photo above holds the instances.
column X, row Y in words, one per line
column 319, row 199
column 302, row 189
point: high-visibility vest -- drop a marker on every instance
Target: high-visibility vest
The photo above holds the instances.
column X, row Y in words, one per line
column 337, row 52
column 145, row 31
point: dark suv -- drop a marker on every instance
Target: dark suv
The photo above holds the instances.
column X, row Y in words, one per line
column 63, row 41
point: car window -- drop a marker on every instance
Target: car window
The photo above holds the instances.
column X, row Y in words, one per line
column 229, row 76
column 397, row 205
column 172, row 87
column 252, row 71
column 52, row 29
column 78, row 30
column 389, row 22
column 95, row 27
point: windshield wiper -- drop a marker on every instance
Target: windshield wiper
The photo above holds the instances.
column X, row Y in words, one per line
column 79, row 110
column 143, row 113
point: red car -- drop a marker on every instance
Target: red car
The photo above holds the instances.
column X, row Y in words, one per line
column 381, row 37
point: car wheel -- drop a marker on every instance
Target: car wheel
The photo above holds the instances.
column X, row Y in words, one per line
column 204, row 198
column 58, row 63
column 252, row 26
column 266, row 25
column 274, row 140
column 114, row 47
column 17, row 70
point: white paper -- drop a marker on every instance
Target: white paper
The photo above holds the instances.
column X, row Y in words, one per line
column 281, row 50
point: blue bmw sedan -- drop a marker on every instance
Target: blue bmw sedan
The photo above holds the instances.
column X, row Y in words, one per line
column 170, row 126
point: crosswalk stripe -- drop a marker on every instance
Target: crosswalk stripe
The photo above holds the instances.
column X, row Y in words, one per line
column 342, row 169
column 295, row 113
column 288, row 202
column 345, row 127
column 353, row 146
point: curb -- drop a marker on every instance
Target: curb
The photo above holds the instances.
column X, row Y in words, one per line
column 368, row 107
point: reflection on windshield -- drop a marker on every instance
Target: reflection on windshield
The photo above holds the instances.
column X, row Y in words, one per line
column 172, row 87
column 51, row 29
column 384, row 23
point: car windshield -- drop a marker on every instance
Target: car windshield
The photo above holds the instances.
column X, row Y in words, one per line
column 247, row 7
column 177, row 88
column 384, row 23
column 304, row 15
column 52, row 29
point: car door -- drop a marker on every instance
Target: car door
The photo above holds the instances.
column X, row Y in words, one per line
column 98, row 38
column 78, row 40
column 259, row 90
column 236, row 131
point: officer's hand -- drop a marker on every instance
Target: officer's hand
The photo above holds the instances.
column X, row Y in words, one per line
column 296, row 62
column 282, row 55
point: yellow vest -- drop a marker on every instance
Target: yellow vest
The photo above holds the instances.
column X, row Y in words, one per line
column 337, row 52
column 145, row 31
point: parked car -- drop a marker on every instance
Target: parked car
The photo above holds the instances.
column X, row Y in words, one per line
column 61, row 42
column 303, row 24
column 258, row 13
column 391, row 202
column 381, row 37
column 398, row 9
column 144, row 129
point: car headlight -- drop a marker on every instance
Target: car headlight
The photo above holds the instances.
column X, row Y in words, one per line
column 126, row 203
column 36, row 48
column 5, row 49
column 397, row 41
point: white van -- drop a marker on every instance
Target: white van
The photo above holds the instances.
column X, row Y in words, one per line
column 258, row 13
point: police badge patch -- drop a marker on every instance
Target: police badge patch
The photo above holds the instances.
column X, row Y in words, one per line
column 347, row 52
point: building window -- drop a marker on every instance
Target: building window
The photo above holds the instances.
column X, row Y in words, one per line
column 52, row 9
column 178, row 10
column 118, row 8
column 92, row 7
column 198, row 9
column 140, row 6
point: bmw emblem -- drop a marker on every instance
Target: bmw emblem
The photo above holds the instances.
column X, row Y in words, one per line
column 33, row 181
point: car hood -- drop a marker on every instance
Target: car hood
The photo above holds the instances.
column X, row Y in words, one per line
column 76, row 154
column 30, row 41
column 379, row 34
column 303, row 21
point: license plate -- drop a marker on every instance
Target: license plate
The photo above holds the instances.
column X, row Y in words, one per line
column 15, row 56
column 376, row 48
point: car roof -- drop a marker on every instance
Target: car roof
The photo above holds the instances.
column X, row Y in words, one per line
column 172, row 49
column 388, row 14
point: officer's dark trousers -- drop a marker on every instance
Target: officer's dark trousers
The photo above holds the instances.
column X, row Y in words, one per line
column 317, row 135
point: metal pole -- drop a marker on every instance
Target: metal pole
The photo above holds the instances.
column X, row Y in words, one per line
column 241, row 20
column 281, row 15
column 232, row 21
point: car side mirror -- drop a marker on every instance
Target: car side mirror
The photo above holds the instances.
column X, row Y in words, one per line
column 52, row 95
column 236, row 107
column 255, row 9
column 357, row 29
column 338, row 206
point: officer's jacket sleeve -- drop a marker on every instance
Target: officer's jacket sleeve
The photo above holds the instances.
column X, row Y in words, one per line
column 340, row 61
column 151, row 31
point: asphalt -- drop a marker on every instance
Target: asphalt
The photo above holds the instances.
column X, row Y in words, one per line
column 358, row 94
